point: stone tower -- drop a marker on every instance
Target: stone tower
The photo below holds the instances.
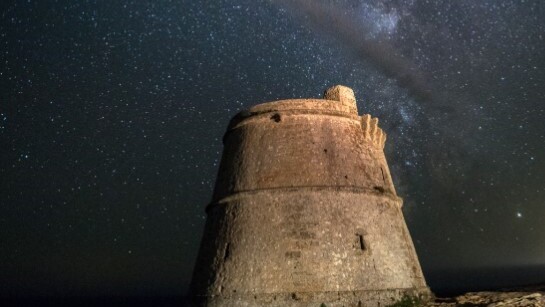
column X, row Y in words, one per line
column 305, row 212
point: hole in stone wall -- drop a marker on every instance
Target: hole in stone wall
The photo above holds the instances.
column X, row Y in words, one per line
column 325, row 150
column 227, row 251
column 276, row 117
column 379, row 189
column 293, row 254
column 383, row 177
column 362, row 242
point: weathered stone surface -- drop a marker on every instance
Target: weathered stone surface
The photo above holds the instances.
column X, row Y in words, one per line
column 343, row 94
column 305, row 212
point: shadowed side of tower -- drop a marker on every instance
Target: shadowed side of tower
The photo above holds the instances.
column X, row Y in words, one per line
column 305, row 212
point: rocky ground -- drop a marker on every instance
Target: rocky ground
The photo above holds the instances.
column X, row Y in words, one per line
column 493, row 299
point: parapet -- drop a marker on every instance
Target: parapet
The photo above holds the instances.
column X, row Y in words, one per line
column 372, row 131
column 343, row 94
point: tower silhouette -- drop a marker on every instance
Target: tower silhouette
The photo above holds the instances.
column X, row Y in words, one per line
column 305, row 212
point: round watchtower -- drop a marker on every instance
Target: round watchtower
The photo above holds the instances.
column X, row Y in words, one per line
column 305, row 212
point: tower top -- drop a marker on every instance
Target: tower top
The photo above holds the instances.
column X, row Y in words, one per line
column 338, row 100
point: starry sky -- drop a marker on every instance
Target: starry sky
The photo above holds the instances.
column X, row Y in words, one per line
column 112, row 114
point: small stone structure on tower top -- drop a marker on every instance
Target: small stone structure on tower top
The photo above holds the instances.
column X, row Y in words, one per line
column 305, row 212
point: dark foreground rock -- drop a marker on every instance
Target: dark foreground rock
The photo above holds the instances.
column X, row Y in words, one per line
column 493, row 299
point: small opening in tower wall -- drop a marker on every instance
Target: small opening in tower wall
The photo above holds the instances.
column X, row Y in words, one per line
column 379, row 189
column 276, row 117
column 227, row 252
column 383, row 177
column 362, row 242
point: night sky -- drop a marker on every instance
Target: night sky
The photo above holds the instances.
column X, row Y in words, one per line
column 112, row 115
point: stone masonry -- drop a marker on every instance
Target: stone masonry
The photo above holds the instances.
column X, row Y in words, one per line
column 305, row 212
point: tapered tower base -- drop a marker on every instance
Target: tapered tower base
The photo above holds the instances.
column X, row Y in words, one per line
column 283, row 247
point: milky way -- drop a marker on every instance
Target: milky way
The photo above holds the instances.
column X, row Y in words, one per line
column 112, row 114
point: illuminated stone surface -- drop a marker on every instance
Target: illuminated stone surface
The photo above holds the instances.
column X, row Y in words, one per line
column 305, row 212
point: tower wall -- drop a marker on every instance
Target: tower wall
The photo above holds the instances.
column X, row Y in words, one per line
column 305, row 212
